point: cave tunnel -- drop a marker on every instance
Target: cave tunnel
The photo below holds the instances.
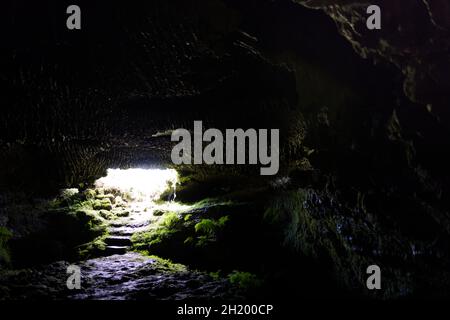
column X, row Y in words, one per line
column 353, row 121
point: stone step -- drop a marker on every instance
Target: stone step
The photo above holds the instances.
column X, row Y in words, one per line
column 121, row 232
column 111, row 250
column 118, row 241
column 118, row 224
column 126, row 230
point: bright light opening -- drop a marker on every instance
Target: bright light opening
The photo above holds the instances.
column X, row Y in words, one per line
column 139, row 184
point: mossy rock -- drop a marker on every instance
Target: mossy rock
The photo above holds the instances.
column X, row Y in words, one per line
column 69, row 193
column 68, row 198
column 121, row 213
column 167, row 265
column 64, row 231
column 107, row 215
column 91, row 218
column 104, row 204
column 5, row 235
column 105, row 196
column 92, row 249
column 158, row 213
column 245, row 280
column 156, row 240
column 89, row 194
column 86, row 214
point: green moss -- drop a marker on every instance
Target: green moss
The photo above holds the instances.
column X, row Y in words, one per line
column 244, row 280
column 289, row 206
column 189, row 240
column 185, row 236
column 208, row 202
column 209, row 226
column 93, row 248
column 92, row 217
column 107, row 215
column 165, row 265
column 89, row 194
column 109, row 196
column 203, row 241
column 206, row 226
column 120, row 212
column 68, row 222
column 148, row 239
column 173, row 227
column 5, row 235
column 70, row 198
column 170, row 220
column 166, row 229
column 159, row 213
column 318, row 236
column 222, row 221
column 72, row 204
column 215, row 275
column 169, row 265
column 102, row 204
column 209, row 229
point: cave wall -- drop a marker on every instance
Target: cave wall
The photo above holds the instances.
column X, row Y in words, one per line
column 384, row 199
column 414, row 37
column 363, row 113
column 77, row 103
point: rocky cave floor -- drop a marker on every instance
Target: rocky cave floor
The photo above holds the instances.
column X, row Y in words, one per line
column 112, row 267
column 131, row 276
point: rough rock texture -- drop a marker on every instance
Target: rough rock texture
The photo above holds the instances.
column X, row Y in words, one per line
column 141, row 278
column 364, row 146
column 88, row 100
column 398, row 217
column 415, row 36
column 129, row 276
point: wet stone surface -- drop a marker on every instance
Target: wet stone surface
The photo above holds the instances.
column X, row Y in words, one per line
column 134, row 276
column 117, row 277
